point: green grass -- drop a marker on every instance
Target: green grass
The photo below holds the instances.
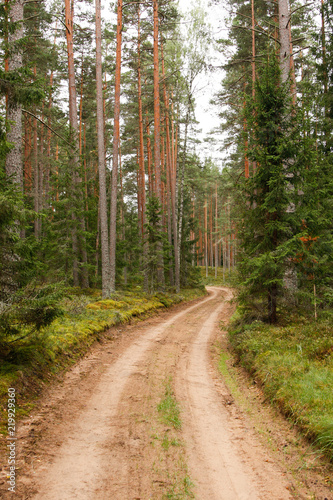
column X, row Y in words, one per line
column 179, row 485
column 294, row 363
column 36, row 359
column 169, row 408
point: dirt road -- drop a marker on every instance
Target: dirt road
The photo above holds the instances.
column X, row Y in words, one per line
column 108, row 431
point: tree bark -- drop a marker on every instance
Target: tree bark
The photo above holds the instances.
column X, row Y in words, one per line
column 216, row 234
column 284, row 21
column 69, row 18
column 116, row 137
column 14, row 162
column 157, row 149
column 171, row 183
column 142, row 176
column 104, row 236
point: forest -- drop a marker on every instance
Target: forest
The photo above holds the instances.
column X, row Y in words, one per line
column 108, row 209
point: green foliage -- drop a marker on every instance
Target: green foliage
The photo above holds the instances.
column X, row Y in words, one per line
column 266, row 221
column 29, row 310
column 294, row 363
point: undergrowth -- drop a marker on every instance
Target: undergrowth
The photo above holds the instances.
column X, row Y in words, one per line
column 294, row 364
column 34, row 360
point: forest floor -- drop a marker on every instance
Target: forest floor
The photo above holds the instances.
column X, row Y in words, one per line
column 148, row 415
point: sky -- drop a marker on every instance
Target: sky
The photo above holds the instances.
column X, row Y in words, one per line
column 206, row 113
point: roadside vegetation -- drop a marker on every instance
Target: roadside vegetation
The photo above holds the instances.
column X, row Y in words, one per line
column 293, row 362
column 29, row 358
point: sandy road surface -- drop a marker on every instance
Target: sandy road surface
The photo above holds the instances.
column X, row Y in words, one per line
column 100, row 434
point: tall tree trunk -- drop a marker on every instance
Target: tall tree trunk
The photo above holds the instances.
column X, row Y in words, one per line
column 182, row 175
column 216, row 234
column 206, row 239
column 325, row 74
column 103, row 209
column 14, row 161
column 290, row 276
column 284, row 34
column 116, row 137
column 211, row 231
column 171, row 184
column 174, row 197
column 69, row 14
column 36, row 181
column 253, row 65
column 142, row 176
column 157, row 149
column 41, row 172
column 149, row 157
column 122, row 214
column 27, row 156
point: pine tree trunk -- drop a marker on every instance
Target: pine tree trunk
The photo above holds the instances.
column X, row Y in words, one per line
column 206, row 242
column 101, row 158
column 211, row 232
column 157, row 150
column 290, row 277
column 116, row 138
column 69, row 14
column 142, row 176
column 174, row 196
column 284, row 21
column 172, row 217
column 41, row 173
column 216, row 234
column 149, row 157
column 14, row 161
column 182, row 176
column 253, row 64
column 36, row 182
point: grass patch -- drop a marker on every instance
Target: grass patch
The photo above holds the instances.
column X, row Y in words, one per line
column 169, row 408
column 34, row 360
column 180, row 489
column 179, row 485
column 294, row 364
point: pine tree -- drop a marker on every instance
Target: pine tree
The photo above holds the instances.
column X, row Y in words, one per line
column 267, row 227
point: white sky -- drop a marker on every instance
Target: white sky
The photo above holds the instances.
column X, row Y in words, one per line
column 206, row 113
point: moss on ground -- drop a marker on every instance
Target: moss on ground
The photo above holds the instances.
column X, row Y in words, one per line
column 294, row 364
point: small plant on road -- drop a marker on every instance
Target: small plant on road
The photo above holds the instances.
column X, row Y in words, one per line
column 169, row 408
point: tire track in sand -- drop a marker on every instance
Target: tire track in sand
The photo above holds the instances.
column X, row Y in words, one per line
column 77, row 469
column 221, row 468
